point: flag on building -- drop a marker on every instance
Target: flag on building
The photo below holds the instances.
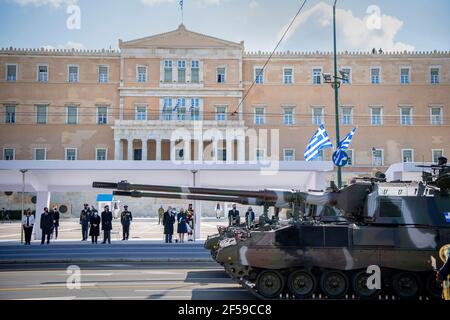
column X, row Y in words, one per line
column 176, row 106
column 320, row 140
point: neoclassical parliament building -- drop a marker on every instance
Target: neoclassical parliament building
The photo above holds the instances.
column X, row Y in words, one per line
column 125, row 105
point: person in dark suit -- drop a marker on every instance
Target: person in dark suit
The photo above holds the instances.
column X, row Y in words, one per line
column 94, row 231
column 125, row 219
column 84, row 221
column 28, row 223
column 233, row 216
column 182, row 225
column 168, row 222
column 46, row 225
column 56, row 216
column 107, row 225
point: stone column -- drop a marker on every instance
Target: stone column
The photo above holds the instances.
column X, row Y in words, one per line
column 42, row 201
column 144, row 149
column 200, row 151
column 172, row 150
column 130, row 150
column 117, row 149
column 158, row 149
column 241, row 150
column 230, row 151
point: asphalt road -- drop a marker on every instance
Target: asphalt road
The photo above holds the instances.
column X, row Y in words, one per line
column 117, row 251
column 105, row 281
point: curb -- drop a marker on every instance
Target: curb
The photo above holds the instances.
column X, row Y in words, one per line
column 186, row 260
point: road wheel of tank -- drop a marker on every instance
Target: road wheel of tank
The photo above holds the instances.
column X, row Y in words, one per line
column 270, row 283
column 301, row 284
column 406, row 285
column 359, row 284
column 334, row 284
column 432, row 288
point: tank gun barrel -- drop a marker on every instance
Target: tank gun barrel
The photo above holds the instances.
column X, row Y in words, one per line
column 263, row 196
column 240, row 200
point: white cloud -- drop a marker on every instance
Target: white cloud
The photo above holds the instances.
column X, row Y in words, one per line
column 199, row 3
column 353, row 31
column 39, row 3
column 253, row 4
column 152, row 3
column 68, row 45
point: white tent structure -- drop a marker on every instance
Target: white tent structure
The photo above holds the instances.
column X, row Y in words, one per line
column 45, row 177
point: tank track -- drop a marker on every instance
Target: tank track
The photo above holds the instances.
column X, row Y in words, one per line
column 384, row 295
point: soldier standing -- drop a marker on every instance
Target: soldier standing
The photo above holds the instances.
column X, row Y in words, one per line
column 84, row 221
column 56, row 216
column 125, row 218
column 107, row 225
column 46, row 225
column 160, row 214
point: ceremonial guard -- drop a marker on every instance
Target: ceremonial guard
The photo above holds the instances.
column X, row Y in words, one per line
column 125, row 218
column 107, row 225
column 84, row 221
column 160, row 214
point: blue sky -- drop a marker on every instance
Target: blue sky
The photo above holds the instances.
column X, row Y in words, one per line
column 403, row 25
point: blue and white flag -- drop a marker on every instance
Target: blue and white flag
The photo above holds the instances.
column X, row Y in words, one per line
column 447, row 216
column 176, row 106
column 345, row 143
column 192, row 105
column 320, row 140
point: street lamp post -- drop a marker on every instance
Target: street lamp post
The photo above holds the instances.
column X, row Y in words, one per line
column 23, row 171
column 336, row 93
column 335, row 84
column 194, row 172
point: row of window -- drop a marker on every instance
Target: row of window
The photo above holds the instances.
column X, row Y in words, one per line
column 346, row 115
column 69, row 154
column 375, row 75
column 189, row 109
column 101, row 154
column 73, row 73
column 72, row 114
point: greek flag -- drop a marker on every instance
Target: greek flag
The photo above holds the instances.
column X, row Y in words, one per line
column 320, row 140
column 345, row 143
column 447, row 216
column 176, row 106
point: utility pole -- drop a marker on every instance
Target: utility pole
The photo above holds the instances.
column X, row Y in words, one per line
column 23, row 171
column 194, row 172
column 336, row 92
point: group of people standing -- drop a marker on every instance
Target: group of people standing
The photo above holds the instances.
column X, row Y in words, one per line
column 49, row 225
column 185, row 224
column 91, row 220
column 234, row 218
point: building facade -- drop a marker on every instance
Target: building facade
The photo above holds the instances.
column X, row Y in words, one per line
column 127, row 104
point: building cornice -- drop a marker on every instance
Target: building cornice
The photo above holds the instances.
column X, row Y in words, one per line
column 60, row 52
column 329, row 54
